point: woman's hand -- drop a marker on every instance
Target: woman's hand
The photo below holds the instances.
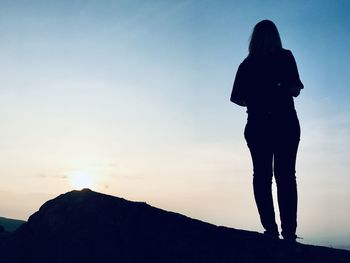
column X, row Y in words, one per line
column 292, row 90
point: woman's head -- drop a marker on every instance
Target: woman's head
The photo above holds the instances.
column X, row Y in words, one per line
column 264, row 39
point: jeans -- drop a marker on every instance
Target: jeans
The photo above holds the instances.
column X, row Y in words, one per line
column 273, row 143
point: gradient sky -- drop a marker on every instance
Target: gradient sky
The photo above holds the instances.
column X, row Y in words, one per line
column 134, row 95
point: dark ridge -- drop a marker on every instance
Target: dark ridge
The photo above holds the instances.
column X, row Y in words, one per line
column 9, row 224
column 86, row 226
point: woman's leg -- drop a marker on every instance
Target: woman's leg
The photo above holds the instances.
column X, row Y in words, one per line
column 261, row 153
column 284, row 169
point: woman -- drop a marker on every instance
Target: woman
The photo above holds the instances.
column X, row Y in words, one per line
column 265, row 83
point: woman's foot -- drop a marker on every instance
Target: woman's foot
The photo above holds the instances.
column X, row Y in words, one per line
column 271, row 234
column 289, row 237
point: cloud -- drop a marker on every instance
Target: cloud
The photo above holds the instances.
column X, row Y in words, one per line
column 55, row 176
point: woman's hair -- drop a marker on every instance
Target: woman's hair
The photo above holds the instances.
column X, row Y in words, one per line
column 264, row 39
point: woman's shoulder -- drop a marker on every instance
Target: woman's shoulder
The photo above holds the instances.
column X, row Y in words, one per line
column 286, row 52
column 247, row 61
column 243, row 65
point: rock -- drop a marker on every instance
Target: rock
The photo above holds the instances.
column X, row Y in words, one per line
column 86, row 226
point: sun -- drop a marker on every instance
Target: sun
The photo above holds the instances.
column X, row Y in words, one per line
column 81, row 179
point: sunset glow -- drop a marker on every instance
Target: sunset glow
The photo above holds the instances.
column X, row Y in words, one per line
column 132, row 99
column 81, row 179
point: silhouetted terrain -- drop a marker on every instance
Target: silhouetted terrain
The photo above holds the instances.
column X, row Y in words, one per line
column 10, row 225
column 85, row 226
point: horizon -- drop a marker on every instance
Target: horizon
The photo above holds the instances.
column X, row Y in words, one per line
column 131, row 98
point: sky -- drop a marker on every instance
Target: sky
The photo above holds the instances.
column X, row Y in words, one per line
column 131, row 98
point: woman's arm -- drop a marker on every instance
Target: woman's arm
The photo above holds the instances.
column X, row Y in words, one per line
column 294, row 91
column 294, row 83
column 238, row 90
column 291, row 90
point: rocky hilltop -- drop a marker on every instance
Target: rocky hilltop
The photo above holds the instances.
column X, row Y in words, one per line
column 86, row 226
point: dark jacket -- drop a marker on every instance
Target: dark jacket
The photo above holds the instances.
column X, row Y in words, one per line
column 267, row 83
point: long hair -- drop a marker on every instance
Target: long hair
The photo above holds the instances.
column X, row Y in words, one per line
column 264, row 39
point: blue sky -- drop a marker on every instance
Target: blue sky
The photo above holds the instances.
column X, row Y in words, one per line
column 134, row 96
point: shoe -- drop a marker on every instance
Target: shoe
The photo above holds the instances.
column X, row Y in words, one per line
column 272, row 234
column 290, row 237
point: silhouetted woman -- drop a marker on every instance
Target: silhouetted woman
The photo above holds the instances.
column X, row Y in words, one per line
column 265, row 83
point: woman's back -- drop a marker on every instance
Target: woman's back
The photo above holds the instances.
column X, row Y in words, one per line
column 263, row 82
column 266, row 82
